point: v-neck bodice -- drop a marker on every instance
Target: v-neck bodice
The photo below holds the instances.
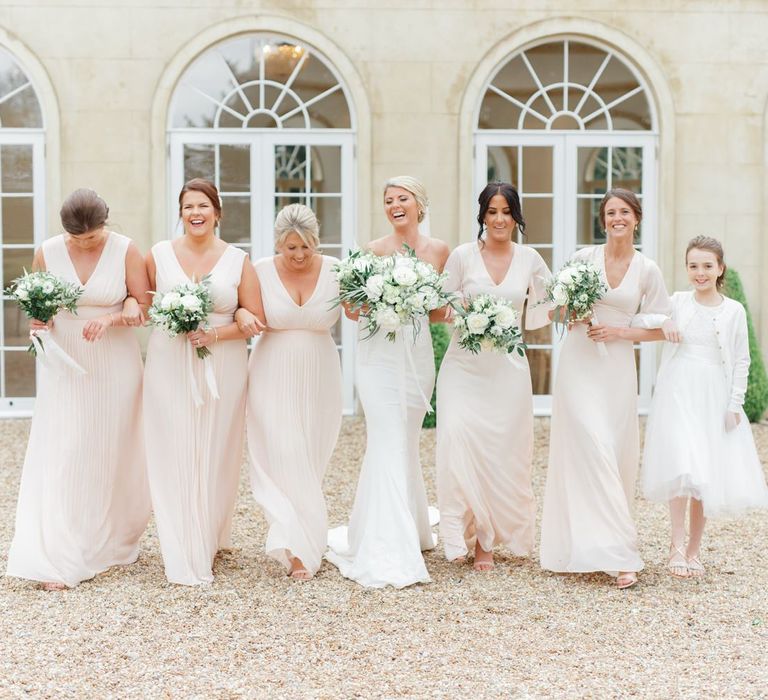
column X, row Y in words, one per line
column 106, row 287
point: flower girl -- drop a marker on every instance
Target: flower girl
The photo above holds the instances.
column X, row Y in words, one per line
column 699, row 447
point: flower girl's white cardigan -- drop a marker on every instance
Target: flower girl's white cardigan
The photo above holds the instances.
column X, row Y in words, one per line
column 731, row 329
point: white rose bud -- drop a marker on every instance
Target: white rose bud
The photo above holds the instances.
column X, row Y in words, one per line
column 170, row 301
column 405, row 276
column 48, row 286
column 190, row 302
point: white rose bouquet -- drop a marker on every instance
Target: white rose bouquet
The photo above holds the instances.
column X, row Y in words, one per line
column 391, row 291
column 489, row 323
column 576, row 288
column 41, row 295
column 183, row 310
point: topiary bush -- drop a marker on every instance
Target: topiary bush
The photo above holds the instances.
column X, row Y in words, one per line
column 756, row 400
column 440, row 339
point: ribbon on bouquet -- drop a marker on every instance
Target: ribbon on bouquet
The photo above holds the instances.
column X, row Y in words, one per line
column 51, row 354
column 210, row 377
column 601, row 349
column 411, row 364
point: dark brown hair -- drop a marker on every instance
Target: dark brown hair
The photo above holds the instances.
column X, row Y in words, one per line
column 711, row 245
column 83, row 211
column 626, row 196
column 513, row 201
column 205, row 187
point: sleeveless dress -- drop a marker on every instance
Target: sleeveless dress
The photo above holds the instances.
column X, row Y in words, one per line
column 594, row 448
column 390, row 523
column 294, row 414
column 485, row 418
column 84, row 503
column 688, row 451
column 194, row 452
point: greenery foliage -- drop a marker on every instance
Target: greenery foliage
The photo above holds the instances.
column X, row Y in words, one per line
column 441, row 336
column 756, row 400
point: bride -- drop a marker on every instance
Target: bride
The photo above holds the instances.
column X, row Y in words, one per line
column 389, row 526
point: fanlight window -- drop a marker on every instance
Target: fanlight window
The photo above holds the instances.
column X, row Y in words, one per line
column 260, row 82
column 566, row 85
column 19, row 106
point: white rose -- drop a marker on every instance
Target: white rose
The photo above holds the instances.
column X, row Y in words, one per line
column 391, row 295
column 170, row 301
column 559, row 295
column 416, row 301
column 48, row 286
column 387, row 319
column 374, row 287
column 423, row 269
column 567, row 275
column 405, row 276
column 505, row 317
column 22, row 293
column 477, row 323
column 190, row 302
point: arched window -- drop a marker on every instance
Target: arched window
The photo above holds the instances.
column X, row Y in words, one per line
column 564, row 121
column 268, row 119
column 22, row 222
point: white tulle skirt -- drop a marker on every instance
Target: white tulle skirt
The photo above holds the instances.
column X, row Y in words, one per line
column 688, row 451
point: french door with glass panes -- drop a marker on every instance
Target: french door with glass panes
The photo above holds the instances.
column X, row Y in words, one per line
column 561, row 178
column 258, row 173
column 22, row 228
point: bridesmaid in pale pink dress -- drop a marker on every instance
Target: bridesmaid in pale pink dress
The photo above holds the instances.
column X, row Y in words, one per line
column 587, row 521
column 485, row 401
column 194, row 427
column 83, row 502
column 294, row 396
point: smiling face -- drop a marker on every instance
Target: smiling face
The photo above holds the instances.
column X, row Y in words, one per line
column 703, row 270
column 499, row 224
column 198, row 214
column 619, row 219
column 401, row 208
column 297, row 255
column 90, row 240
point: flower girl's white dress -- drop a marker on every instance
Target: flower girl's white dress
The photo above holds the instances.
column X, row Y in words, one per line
column 688, row 451
column 390, row 524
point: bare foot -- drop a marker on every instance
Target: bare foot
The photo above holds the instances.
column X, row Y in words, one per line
column 626, row 579
column 483, row 559
column 298, row 571
column 53, row 586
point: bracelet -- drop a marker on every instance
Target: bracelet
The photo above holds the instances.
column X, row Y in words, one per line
column 216, row 334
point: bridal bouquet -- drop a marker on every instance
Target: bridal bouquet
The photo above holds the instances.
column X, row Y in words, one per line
column 182, row 310
column 576, row 288
column 41, row 295
column 489, row 323
column 391, row 291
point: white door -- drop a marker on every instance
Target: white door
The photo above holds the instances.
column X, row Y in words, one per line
column 561, row 178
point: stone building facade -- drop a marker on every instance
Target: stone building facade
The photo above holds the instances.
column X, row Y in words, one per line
column 321, row 100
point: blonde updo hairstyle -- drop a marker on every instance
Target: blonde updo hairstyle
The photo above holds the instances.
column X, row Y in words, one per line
column 298, row 219
column 406, row 182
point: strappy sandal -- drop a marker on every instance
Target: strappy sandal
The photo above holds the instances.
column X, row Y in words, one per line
column 695, row 567
column 674, row 566
column 626, row 579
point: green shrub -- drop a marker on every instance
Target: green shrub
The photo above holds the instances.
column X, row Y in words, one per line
column 440, row 339
column 756, row 400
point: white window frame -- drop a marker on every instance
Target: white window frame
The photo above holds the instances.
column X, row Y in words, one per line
column 12, row 406
column 564, row 145
column 263, row 143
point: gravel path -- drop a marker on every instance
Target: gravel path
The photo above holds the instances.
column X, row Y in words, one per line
column 517, row 632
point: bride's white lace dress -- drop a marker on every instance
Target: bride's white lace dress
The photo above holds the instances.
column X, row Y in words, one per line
column 390, row 522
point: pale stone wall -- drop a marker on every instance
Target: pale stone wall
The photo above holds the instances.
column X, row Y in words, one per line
column 107, row 59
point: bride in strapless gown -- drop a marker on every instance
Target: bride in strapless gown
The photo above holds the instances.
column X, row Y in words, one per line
column 390, row 522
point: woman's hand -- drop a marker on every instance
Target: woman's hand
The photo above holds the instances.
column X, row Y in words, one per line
column 248, row 323
column 132, row 313
column 202, row 338
column 35, row 325
column 603, row 334
column 671, row 331
column 731, row 420
column 95, row 329
column 354, row 314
